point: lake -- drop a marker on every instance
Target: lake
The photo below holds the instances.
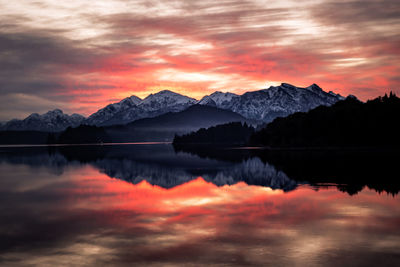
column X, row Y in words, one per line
column 153, row 205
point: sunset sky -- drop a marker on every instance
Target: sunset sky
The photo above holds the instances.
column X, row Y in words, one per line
column 82, row 55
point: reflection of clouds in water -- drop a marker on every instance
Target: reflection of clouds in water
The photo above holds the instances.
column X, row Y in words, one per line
column 89, row 219
column 84, row 253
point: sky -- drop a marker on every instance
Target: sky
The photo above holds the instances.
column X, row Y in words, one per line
column 82, row 55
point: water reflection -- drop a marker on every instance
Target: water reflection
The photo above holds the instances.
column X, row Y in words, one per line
column 161, row 165
column 82, row 217
column 156, row 164
column 251, row 171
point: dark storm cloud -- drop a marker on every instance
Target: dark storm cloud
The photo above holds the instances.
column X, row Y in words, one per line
column 34, row 69
column 33, row 62
column 358, row 11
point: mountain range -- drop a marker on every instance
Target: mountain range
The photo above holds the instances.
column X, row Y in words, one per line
column 262, row 106
column 52, row 121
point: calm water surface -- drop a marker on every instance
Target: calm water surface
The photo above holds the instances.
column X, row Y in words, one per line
column 147, row 205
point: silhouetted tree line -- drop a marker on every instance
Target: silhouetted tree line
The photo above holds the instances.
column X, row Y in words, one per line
column 230, row 133
column 23, row 137
column 83, row 134
column 349, row 122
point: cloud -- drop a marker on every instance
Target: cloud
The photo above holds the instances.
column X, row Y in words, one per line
column 82, row 54
column 354, row 12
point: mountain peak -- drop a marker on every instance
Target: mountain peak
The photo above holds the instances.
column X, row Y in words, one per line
column 314, row 87
column 167, row 94
column 219, row 99
column 131, row 100
column 76, row 115
column 54, row 112
column 218, row 93
column 352, row 97
column 287, row 85
column 207, row 100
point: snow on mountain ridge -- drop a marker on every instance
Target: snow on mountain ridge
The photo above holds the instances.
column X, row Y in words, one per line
column 167, row 97
column 207, row 100
column 261, row 105
column 278, row 101
column 132, row 100
column 51, row 121
column 153, row 105
column 107, row 113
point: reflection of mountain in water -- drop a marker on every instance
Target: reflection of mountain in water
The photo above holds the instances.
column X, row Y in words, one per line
column 252, row 171
column 38, row 158
column 135, row 172
column 351, row 170
column 157, row 165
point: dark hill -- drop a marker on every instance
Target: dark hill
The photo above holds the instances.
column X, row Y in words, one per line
column 164, row 127
column 234, row 133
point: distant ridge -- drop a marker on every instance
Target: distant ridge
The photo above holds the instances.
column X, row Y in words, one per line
column 52, row 121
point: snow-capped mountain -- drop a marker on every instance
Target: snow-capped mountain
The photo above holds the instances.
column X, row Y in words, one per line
column 218, row 99
column 153, row 105
column 52, row 121
column 276, row 101
column 108, row 112
column 263, row 105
